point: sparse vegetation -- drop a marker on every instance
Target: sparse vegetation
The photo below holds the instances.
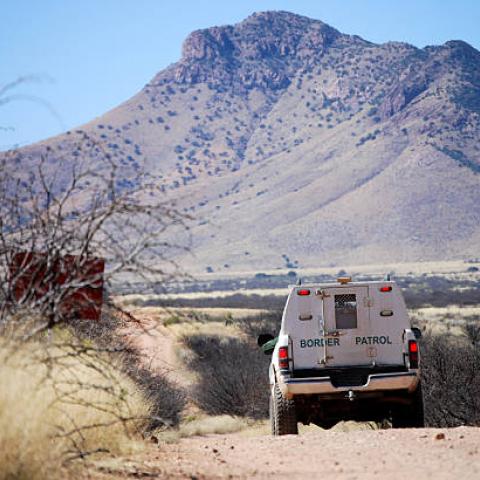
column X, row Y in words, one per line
column 451, row 378
column 206, row 426
column 57, row 232
column 254, row 325
column 235, row 300
column 75, row 388
column 232, row 375
column 419, row 291
column 75, row 393
column 59, row 407
column 460, row 157
column 112, row 335
column 231, row 371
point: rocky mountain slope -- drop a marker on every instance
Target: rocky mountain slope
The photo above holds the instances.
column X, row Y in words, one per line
column 294, row 145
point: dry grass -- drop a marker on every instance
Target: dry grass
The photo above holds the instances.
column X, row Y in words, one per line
column 205, row 425
column 442, row 320
column 212, row 328
column 213, row 424
column 55, row 405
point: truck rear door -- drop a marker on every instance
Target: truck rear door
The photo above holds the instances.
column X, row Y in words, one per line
column 346, row 327
column 303, row 315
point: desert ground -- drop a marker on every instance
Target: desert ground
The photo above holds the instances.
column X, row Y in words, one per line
column 354, row 453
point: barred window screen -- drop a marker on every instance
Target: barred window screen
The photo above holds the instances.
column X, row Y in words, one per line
column 346, row 311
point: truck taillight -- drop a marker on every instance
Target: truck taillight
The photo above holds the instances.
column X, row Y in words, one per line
column 303, row 291
column 283, row 357
column 387, row 288
column 413, row 353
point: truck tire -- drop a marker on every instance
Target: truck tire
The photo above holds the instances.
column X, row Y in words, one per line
column 284, row 420
column 410, row 416
column 271, row 413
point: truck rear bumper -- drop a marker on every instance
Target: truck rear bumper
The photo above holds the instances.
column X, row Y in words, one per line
column 323, row 385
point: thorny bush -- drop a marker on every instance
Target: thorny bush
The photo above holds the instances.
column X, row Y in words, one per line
column 165, row 399
column 232, row 375
column 66, row 210
column 233, row 371
column 451, row 378
column 62, row 210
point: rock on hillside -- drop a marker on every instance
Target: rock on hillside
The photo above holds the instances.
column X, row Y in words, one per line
column 293, row 144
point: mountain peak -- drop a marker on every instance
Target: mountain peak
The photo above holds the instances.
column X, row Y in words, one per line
column 462, row 52
column 279, row 16
column 459, row 44
column 276, row 33
column 263, row 51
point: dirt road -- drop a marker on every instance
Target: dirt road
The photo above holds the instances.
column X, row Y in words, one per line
column 391, row 454
column 367, row 454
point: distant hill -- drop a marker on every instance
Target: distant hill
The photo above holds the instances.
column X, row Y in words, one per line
column 295, row 145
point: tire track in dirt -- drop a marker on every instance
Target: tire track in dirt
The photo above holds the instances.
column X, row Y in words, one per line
column 157, row 346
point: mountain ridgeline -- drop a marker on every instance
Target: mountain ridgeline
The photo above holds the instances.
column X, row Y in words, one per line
column 294, row 145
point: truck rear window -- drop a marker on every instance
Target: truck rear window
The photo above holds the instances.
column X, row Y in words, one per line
column 346, row 311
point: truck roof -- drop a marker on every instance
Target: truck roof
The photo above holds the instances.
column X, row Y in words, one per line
column 340, row 284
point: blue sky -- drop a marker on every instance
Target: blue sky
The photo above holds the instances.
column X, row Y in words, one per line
column 85, row 57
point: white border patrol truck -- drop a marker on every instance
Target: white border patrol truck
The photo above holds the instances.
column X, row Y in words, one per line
column 345, row 351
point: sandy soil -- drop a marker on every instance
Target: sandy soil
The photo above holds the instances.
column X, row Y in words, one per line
column 156, row 344
column 160, row 346
column 363, row 455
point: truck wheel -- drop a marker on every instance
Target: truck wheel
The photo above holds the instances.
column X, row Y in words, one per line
column 410, row 416
column 284, row 414
column 271, row 413
column 417, row 409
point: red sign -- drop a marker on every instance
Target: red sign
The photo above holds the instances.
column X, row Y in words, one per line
column 74, row 284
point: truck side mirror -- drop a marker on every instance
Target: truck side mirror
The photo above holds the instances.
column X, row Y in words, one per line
column 264, row 338
column 268, row 347
column 417, row 332
column 267, row 343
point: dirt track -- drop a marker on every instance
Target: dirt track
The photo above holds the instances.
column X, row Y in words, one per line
column 391, row 454
column 363, row 455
